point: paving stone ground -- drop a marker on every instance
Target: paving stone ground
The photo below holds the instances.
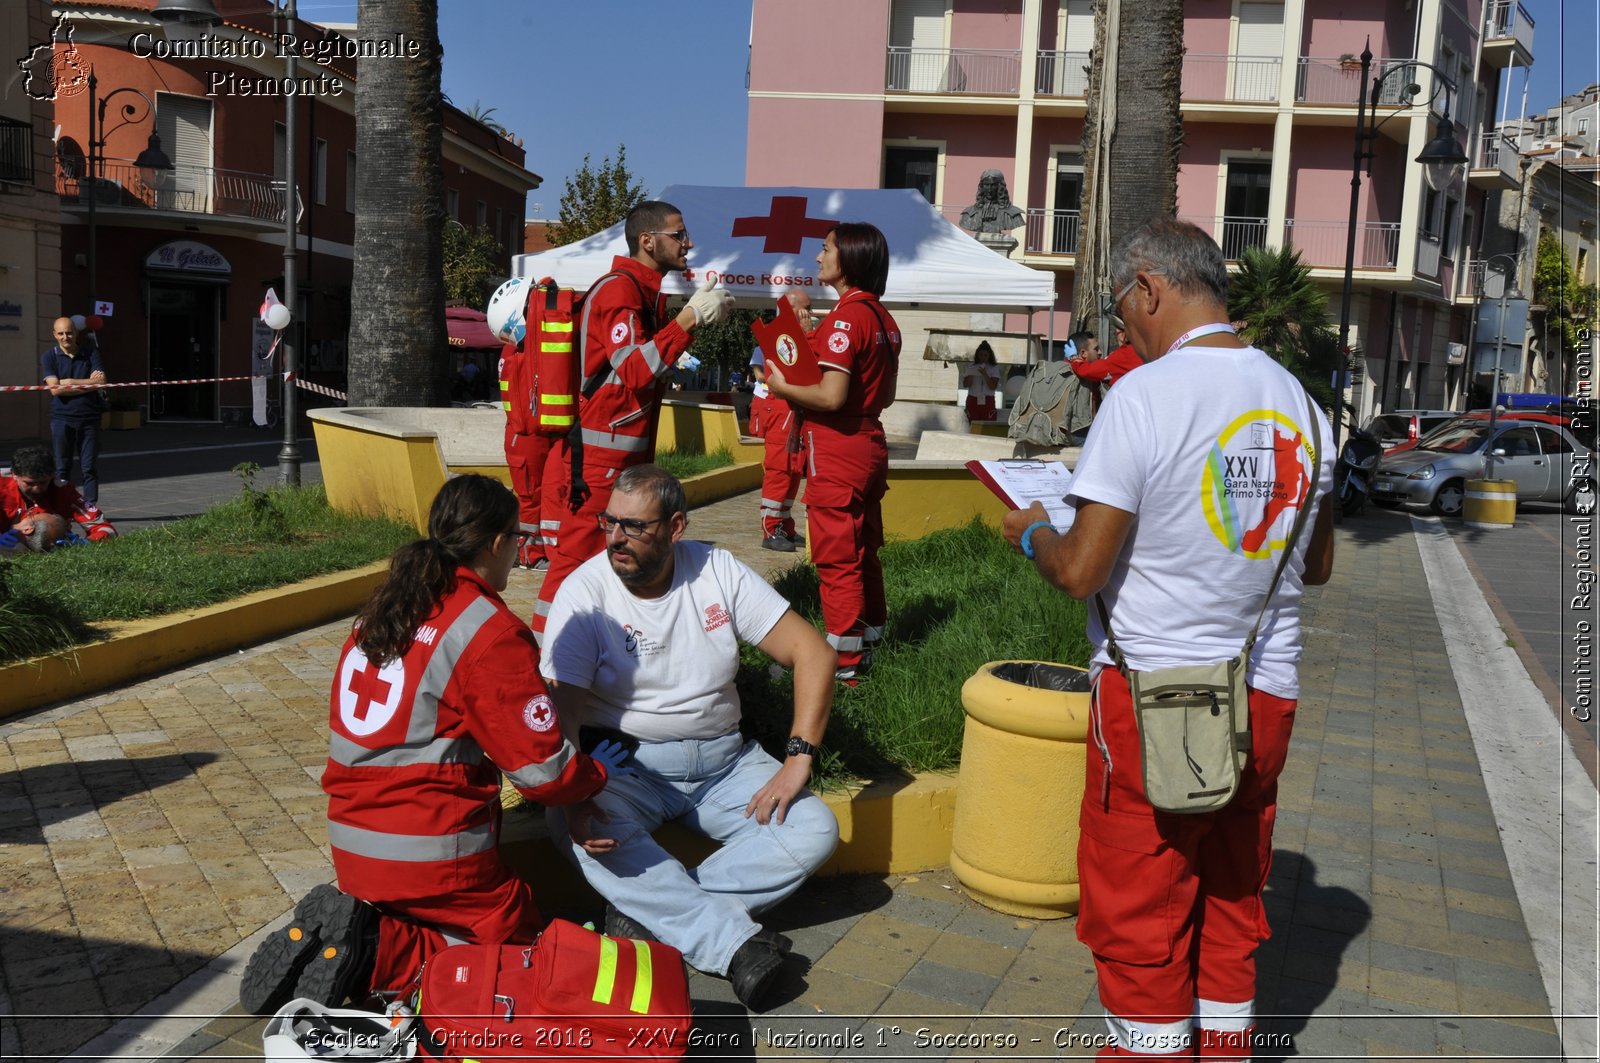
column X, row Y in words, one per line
column 147, row 831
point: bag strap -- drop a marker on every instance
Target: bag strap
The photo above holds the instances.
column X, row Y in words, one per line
column 1301, row 512
column 579, row 490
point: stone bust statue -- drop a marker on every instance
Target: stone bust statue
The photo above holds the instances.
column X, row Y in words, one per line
column 993, row 212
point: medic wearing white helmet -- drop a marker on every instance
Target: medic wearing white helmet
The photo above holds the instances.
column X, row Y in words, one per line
column 526, row 449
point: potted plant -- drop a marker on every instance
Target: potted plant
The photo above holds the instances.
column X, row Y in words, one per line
column 1349, row 62
column 124, row 412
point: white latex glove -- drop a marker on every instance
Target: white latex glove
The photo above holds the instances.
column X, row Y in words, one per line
column 710, row 304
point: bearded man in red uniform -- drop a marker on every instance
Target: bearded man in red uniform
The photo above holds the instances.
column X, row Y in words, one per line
column 630, row 346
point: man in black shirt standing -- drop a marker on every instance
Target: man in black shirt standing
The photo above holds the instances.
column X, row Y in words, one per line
column 73, row 375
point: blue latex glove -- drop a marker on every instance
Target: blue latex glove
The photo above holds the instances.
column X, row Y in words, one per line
column 71, row 540
column 1069, row 350
column 612, row 754
column 10, row 540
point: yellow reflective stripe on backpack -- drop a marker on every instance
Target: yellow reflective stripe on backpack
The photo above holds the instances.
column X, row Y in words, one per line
column 605, row 977
column 559, row 400
column 643, row 978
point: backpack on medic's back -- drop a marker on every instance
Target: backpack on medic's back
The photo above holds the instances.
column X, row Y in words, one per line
column 574, row 994
column 1052, row 405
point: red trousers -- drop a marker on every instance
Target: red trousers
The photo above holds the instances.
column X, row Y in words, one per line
column 525, row 460
column 980, row 409
column 847, row 474
column 1171, row 904
column 572, row 536
column 781, row 471
column 409, row 932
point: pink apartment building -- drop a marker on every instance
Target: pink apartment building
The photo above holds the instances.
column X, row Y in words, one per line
column 928, row 94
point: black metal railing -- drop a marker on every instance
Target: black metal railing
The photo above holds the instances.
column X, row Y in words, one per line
column 16, row 151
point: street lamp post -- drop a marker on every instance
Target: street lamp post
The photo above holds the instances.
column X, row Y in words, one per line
column 1440, row 156
column 1509, row 290
column 151, row 158
column 289, row 453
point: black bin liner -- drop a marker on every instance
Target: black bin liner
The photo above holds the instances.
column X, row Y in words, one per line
column 1057, row 677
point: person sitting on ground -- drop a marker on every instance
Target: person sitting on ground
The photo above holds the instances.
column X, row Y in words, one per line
column 436, row 694
column 35, row 533
column 644, row 646
column 32, row 488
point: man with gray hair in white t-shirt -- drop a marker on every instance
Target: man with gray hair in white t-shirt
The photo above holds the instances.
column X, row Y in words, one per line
column 1186, row 498
column 642, row 646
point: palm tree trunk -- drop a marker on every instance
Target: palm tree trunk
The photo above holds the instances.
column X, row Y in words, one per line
column 398, row 343
column 1131, row 140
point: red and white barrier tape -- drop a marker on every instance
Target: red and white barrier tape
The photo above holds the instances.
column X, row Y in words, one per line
column 290, row 377
column 319, row 389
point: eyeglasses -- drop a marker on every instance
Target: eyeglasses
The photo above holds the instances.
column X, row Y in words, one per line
column 632, row 527
column 1116, row 300
column 681, row 235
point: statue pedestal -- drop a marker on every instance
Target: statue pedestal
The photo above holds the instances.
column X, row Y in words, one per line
column 1001, row 244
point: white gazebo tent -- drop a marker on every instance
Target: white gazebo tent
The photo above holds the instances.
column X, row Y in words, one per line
column 763, row 243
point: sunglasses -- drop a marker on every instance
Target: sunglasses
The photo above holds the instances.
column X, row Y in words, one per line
column 681, row 235
column 632, row 527
column 1116, row 300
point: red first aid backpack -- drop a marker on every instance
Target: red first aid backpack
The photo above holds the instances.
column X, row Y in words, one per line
column 556, row 350
column 573, row 994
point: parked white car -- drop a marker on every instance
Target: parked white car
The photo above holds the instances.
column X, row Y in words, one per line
column 1538, row 455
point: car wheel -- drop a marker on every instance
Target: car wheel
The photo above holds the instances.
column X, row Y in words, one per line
column 1451, row 497
column 1580, row 499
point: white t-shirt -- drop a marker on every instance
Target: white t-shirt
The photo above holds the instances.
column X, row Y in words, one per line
column 1194, row 445
column 982, row 381
column 660, row 669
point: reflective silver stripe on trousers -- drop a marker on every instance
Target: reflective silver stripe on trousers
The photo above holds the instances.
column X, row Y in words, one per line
column 528, row 529
column 845, row 642
column 423, row 745
column 630, row 444
column 411, row 848
column 872, row 634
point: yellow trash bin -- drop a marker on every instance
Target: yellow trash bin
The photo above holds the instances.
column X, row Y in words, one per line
column 1490, row 504
column 1014, row 846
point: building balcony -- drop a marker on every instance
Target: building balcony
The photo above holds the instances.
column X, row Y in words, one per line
column 1231, row 78
column 1336, row 81
column 1496, row 163
column 1234, row 234
column 183, row 189
column 16, row 151
column 1508, row 37
column 1062, row 74
column 1322, row 243
column 1052, row 232
column 955, row 71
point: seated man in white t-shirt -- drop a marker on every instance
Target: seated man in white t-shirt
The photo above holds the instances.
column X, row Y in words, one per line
column 644, row 640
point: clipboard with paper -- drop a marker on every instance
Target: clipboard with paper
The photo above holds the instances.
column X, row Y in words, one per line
column 783, row 341
column 1020, row 482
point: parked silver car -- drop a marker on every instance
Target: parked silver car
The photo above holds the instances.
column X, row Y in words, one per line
column 1538, row 455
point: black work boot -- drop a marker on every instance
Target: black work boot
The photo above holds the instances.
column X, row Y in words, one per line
column 271, row 976
column 622, row 926
column 754, row 971
column 347, row 945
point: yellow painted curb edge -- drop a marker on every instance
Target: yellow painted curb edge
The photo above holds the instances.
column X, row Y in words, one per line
column 140, row 648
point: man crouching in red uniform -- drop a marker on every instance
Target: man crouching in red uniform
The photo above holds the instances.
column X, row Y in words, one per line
column 31, row 491
column 436, row 694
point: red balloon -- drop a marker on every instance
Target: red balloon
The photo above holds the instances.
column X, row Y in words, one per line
column 94, row 322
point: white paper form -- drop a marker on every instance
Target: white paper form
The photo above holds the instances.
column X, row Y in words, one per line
column 1021, row 482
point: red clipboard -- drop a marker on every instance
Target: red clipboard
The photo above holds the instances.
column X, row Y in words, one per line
column 783, row 341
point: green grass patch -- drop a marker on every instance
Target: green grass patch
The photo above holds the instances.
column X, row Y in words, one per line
column 957, row 600
column 259, row 540
column 685, row 463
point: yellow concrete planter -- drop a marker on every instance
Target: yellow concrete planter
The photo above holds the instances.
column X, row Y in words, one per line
column 1491, row 505
column 1015, row 842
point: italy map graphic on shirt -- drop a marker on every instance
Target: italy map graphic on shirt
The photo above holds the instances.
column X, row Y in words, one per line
column 1257, row 475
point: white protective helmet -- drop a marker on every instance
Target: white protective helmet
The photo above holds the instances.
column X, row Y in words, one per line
column 306, row 1029
column 506, row 313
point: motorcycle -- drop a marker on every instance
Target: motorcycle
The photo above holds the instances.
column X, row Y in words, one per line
column 1352, row 476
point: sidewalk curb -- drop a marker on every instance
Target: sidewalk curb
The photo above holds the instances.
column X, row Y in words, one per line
column 141, row 648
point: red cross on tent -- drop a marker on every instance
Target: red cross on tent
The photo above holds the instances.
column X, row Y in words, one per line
column 785, row 226
column 367, row 688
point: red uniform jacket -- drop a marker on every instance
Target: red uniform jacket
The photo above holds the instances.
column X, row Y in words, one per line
column 1108, row 370
column 859, row 337
column 413, row 775
column 635, row 345
column 61, row 499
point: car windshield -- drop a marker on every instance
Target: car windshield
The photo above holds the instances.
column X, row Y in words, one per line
column 1390, row 426
column 1458, row 437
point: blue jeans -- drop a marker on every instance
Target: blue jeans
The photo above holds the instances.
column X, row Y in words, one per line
column 80, row 438
column 706, row 912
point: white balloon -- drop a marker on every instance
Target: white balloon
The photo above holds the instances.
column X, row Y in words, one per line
column 79, row 322
column 277, row 317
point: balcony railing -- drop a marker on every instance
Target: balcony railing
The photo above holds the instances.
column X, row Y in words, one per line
column 1235, row 234
column 1052, row 232
column 1491, row 151
column 1338, row 81
column 1062, row 74
column 16, row 151
column 187, row 189
column 1509, row 19
column 1322, row 243
column 1231, row 78
column 978, row 71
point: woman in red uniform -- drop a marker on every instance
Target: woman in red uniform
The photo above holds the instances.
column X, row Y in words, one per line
column 436, row 694
column 858, row 346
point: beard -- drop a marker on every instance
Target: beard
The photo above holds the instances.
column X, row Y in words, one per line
column 646, row 569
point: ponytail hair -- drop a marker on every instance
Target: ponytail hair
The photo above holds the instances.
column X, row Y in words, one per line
column 467, row 515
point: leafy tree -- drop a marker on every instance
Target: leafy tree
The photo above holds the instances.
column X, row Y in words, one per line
column 727, row 343
column 471, row 264
column 595, row 199
column 1135, row 157
column 398, row 344
column 1278, row 308
column 1568, row 302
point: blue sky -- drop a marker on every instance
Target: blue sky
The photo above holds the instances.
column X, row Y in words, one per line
column 668, row 79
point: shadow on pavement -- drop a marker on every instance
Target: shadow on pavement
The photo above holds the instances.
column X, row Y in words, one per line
column 61, row 792
column 1298, row 968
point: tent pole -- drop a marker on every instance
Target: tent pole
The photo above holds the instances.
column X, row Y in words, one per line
column 1050, row 349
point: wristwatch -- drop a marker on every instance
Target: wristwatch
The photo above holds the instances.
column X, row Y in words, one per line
column 799, row 746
